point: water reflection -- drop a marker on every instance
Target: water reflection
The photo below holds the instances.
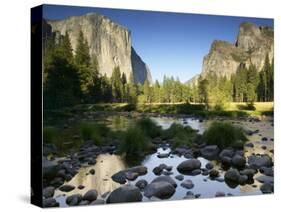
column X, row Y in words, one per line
column 107, row 165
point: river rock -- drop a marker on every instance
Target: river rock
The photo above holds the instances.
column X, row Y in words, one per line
column 188, row 166
column 141, row 184
column 243, row 179
column 131, row 175
column 267, row 171
column 220, row 194
column 189, row 195
column 232, row 175
column 121, row 176
column 126, row 193
column 251, row 145
column 81, row 187
column 90, row 195
column 50, row 202
column 92, row 171
column 248, row 172
column 67, row 188
column 157, row 170
column 188, row 184
column 227, row 153
column 257, row 162
column 161, row 190
column 214, row 173
column 165, row 179
column 210, row 152
column 179, row 177
column 266, row 188
column 209, row 165
column 48, row 192
column 238, row 161
column 163, row 155
column 74, row 199
column 265, row 179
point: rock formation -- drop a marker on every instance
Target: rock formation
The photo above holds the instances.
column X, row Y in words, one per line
column 252, row 45
column 108, row 41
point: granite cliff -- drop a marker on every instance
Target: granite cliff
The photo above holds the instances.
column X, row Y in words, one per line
column 252, row 45
column 108, row 41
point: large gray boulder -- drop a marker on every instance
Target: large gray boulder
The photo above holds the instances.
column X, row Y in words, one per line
column 74, row 199
column 126, row 193
column 210, row 152
column 257, row 162
column 238, row 161
column 232, row 175
column 91, row 195
column 165, row 179
column 129, row 174
column 187, row 166
column 161, row 190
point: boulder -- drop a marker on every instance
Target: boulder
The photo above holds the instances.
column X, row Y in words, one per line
column 121, row 176
column 214, row 173
column 210, row 152
column 266, row 188
column 74, row 199
column 90, row 195
column 48, row 192
column 238, row 161
column 165, row 179
column 98, row 202
column 267, row 171
column 265, row 179
column 248, row 172
column 67, row 188
column 179, row 177
column 209, row 165
column 188, row 166
column 141, row 184
column 188, row 184
column 227, row 153
column 161, row 190
column 126, row 193
column 257, row 162
column 232, row 175
column 131, row 175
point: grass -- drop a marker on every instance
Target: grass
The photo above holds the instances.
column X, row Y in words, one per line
column 134, row 142
column 180, row 135
column 224, row 135
column 95, row 132
column 149, row 127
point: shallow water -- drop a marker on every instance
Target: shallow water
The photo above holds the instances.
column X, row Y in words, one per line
column 107, row 164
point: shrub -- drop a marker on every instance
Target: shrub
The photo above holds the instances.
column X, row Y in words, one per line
column 134, row 142
column 224, row 135
column 180, row 135
column 149, row 127
column 95, row 132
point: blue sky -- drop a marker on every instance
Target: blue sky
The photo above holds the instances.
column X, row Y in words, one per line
column 170, row 43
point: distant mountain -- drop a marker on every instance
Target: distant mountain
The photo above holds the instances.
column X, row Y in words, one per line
column 252, row 44
column 108, row 41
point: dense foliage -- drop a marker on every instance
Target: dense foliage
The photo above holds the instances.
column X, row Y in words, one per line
column 224, row 135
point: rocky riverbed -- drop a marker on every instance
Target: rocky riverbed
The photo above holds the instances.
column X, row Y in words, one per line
column 96, row 175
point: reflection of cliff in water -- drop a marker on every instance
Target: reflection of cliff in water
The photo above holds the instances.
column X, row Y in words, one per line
column 106, row 166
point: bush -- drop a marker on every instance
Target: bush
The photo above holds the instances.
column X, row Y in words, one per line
column 95, row 132
column 180, row 135
column 149, row 127
column 134, row 142
column 224, row 135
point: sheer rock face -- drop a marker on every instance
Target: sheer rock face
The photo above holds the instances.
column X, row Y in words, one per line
column 108, row 41
column 252, row 45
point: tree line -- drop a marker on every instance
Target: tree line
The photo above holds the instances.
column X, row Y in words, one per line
column 72, row 78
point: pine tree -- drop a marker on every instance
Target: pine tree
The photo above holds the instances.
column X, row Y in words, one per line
column 116, row 84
